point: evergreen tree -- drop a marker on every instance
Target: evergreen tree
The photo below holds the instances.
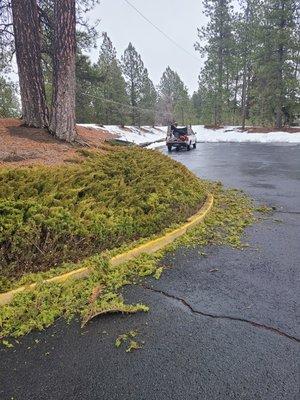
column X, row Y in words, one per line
column 26, row 27
column 9, row 104
column 197, row 103
column 88, row 80
column 62, row 120
column 41, row 40
column 7, row 43
column 102, row 91
column 148, row 100
column 207, row 94
column 276, row 85
column 134, row 72
column 111, row 96
column 174, row 102
column 251, row 69
column 247, row 29
column 217, row 37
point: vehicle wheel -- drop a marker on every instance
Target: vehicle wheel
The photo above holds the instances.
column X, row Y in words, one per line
column 194, row 145
column 177, row 148
column 169, row 149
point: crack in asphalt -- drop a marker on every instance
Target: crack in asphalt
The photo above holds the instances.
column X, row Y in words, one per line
column 288, row 212
column 224, row 317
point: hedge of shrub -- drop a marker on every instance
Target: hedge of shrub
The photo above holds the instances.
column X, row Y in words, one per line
column 99, row 293
column 52, row 215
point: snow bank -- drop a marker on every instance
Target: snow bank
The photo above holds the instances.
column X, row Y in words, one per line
column 143, row 135
column 155, row 145
column 148, row 134
column 231, row 134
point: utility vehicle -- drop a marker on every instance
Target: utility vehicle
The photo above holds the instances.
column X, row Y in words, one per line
column 180, row 137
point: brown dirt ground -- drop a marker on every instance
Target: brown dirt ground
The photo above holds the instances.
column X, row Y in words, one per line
column 21, row 145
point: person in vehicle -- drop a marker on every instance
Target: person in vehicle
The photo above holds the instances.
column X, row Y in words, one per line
column 173, row 127
column 174, row 130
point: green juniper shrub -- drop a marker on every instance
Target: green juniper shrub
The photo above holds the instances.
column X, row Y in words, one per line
column 53, row 215
column 99, row 293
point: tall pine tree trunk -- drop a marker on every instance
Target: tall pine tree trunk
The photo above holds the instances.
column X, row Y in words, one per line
column 244, row 95
column 246, row 51
column 279, row 100
column 133, row 103
column 235, row 97
column 63, row 123
column 28, row 54
column 219, row 108
column 280, row 61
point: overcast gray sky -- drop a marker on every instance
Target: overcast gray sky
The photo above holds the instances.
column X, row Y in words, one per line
column 178, row 18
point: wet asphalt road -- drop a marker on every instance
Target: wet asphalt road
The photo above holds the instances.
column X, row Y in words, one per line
column 231, row 334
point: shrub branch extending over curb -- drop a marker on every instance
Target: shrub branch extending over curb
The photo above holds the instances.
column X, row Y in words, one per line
column 99, row 292
column 147, row 248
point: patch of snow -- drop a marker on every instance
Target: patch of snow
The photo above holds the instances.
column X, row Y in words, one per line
column 231, row 134
column 138, row 136
column 143, row 135
column 94, row 126
column 148, row 134
column 155, row 145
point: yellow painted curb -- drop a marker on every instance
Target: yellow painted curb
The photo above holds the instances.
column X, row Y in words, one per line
column 150, row 247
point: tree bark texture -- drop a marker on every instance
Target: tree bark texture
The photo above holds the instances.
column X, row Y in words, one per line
column 280, row 62
column 219, row 108
column 28, row 53
column 63, row 121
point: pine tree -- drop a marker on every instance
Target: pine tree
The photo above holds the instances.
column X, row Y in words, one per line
column 35, row 36
column 251, row 68
column 197, row 103
column 218, row 39
column 9, row 104
column 63, row 122
column 148, row 100
column 207, row 94
column 28, row 53
column 275, row 74
column 7, row 40
column 174, row 101
column 134, row 70
column 88, row 80
column 246, row 27
column 110, row 94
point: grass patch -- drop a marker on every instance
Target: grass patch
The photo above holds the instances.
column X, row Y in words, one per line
column 50, row 216
column 100, row 292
